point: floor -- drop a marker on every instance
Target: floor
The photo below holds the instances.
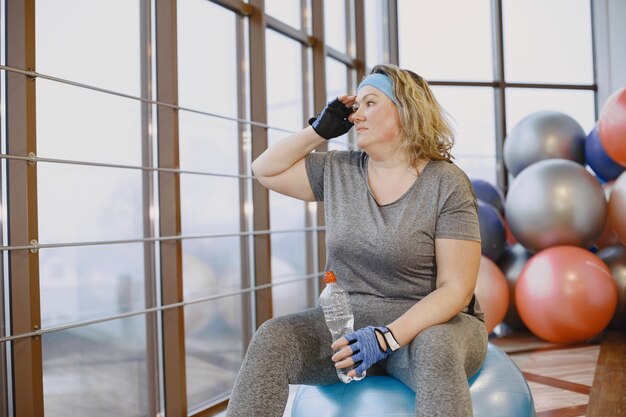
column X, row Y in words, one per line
column 575, row 380
column 568, row 380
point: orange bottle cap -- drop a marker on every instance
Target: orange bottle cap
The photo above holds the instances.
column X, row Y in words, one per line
column 329, row 277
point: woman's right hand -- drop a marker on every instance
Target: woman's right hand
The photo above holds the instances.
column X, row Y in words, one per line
column 333, row 119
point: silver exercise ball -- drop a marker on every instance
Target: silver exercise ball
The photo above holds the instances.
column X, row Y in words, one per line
column 543, row 135
column 555, row 202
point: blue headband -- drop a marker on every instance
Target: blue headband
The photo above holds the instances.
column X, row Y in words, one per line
column 381, row 82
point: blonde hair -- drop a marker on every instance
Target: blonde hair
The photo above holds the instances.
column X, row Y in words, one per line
column 426, row 132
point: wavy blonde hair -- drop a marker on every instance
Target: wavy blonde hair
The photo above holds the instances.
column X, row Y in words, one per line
column 426, row 132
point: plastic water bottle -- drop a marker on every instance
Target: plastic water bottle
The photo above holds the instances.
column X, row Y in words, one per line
column 338, row 314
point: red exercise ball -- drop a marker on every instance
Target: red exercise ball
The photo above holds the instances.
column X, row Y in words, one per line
column 492, row 291
column 612, row 127
column 566, row 294
column 617, row 207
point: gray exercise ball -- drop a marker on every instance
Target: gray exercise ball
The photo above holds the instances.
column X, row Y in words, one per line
column 556, row 202
column 511, row 263
column 543, row 135
column 615, row 258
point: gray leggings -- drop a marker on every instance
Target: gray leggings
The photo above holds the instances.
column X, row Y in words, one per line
column 295, row 349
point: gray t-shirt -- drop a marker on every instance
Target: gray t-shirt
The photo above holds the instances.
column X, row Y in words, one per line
column 389, row 251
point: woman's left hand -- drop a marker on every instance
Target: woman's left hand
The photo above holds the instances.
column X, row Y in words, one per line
column 361, row 348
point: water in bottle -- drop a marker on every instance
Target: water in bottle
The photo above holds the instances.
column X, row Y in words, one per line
column 338, row 315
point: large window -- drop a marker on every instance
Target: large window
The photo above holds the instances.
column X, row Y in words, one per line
column 512, row 59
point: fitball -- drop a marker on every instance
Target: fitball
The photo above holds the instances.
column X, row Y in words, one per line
column 543, row 135
column 492, row 231
column 566, row 294
column 511, row 263
column 615, row 258
column 556, row 202
column 489, row 193
column 492, row 292
column 608, row 236
column 597, row 158
column 617, row 208
column 612, row 126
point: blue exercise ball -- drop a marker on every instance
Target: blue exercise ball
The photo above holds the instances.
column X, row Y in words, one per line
column 543, row 135
column 556, row 202
column 597, row 158
column 489, row 193
column 497, row 389
column 492, row 231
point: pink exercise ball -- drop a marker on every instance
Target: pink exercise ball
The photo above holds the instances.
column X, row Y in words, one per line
column 566, row 294
column 612, row 127
column 492, row 291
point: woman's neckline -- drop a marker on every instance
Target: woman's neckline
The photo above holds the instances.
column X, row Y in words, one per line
column 404, row 195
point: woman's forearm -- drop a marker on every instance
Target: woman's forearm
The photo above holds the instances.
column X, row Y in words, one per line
column 437, row 307
column 283, row 154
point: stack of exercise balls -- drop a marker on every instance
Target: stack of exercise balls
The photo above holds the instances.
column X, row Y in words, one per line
column 554, row 260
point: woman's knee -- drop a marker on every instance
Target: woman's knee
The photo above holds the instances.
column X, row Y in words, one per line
column 447, row 345
column 290, row 331
column 433, row 345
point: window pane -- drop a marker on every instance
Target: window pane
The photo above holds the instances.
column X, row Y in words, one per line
column 472, row 115
column 293, row 295
column 288, row 263
column 212, row 366
column 207, row 69
column 446, row 40
column 376, row 22
column 286, row 11
column 96, row 371
column 548, row 41
column 89, row 282
column 336, row 85
column 284, row 82
column 284, row 107
column 335, row 24
column 92, row 42
column 208, row 144
column 575, row 103
column 209, row 205
column 85, row 125
column 72, row 209
column 212, row 267
column 288, row 250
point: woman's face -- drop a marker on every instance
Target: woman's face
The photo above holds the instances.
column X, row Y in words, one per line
column 376, row 119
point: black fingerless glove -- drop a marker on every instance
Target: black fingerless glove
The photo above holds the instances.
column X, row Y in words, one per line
column 333, row 120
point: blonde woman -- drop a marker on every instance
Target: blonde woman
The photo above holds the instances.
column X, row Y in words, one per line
column 402, row 236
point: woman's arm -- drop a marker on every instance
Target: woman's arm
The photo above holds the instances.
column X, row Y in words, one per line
column 281, row 167
column 458, row 262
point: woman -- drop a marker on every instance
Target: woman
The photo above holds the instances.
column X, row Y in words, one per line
column 402, row 237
